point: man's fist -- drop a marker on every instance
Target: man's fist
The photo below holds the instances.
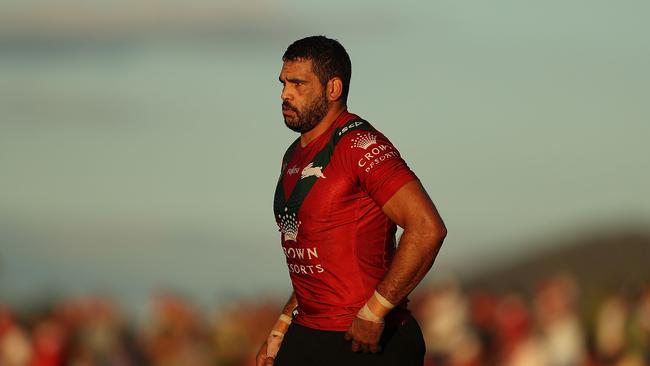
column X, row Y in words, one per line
column 364, row 335
column 262, row 359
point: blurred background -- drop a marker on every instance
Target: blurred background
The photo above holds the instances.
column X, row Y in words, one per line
column 140, row 143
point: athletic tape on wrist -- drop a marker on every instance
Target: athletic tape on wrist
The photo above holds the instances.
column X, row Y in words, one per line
column 382, row 300
column 276, row 336
column 365, row 314
column 277, row 333
column 376, row 308
column 285, row 318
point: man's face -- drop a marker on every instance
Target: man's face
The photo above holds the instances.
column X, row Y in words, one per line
column 304, row 103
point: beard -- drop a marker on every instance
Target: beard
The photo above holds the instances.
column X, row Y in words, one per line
column 308, row 118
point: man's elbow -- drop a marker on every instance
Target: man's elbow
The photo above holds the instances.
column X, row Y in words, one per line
column 437, row 234
column 442, row 232
column 429, row 228
column 431, row 242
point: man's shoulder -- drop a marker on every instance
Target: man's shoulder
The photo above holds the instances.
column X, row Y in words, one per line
column 353, row 123
column 358, row 132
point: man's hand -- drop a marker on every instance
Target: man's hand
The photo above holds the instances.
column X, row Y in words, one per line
column 262, row 359
column 364, row 335
column 268, row 351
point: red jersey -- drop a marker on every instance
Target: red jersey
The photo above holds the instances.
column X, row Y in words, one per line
column 337, row 241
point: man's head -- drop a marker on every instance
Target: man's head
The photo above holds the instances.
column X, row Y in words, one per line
column 315, row 74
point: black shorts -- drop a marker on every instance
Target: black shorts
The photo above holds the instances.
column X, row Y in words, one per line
column 401, row 345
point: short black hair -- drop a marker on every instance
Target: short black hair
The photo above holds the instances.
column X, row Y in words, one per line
column 329, row 59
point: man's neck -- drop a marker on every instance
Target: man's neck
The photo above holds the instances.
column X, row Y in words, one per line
column 323, row 125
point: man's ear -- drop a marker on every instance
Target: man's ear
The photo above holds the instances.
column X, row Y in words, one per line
column 334, row 89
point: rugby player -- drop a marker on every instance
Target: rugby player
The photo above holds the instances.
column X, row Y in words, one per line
column 342, row 190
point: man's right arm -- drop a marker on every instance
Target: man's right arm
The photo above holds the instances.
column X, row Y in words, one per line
column 268, row 351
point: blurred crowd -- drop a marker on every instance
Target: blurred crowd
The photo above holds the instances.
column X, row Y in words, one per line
column 550, row 326
column 553, row 324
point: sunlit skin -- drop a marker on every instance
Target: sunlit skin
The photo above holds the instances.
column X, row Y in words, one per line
column 412, row 209
column 301, row 88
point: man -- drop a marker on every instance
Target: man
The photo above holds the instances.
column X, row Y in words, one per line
column 342, row 188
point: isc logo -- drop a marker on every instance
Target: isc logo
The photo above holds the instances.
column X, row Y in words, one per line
column 351, row 125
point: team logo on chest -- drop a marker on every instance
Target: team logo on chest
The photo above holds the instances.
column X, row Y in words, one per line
column 310, row 170
column 288, row 224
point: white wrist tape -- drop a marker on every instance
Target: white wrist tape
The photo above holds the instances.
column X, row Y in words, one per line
column 285, row 318
column 382, row 300
column 276, row 336
column 375, row 309
column 368, row 315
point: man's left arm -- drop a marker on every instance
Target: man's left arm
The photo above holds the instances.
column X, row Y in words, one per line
column 412, row 209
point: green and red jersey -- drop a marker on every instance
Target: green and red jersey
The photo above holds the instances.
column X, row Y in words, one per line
column 328, row 203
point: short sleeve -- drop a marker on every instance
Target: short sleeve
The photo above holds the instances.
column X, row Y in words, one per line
column 375, row 164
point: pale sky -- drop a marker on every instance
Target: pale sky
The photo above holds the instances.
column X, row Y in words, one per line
column 150, row 160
